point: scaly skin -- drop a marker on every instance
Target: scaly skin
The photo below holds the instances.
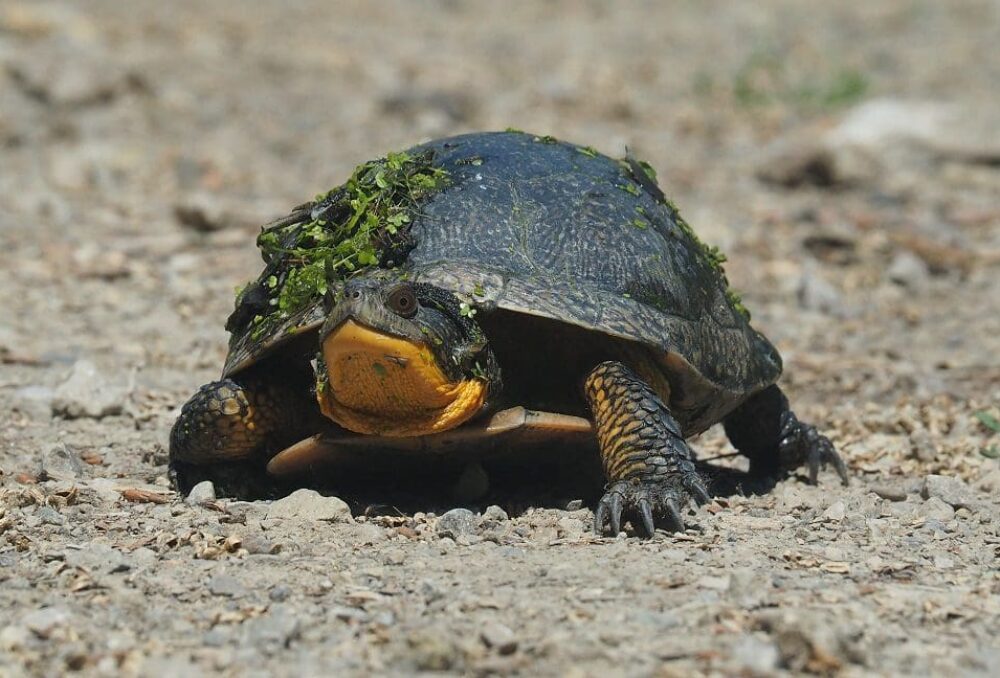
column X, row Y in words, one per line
column 228, row 429
column 650, row 468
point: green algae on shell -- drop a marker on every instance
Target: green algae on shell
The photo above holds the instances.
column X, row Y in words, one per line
column 351, row 228
column 644, row 175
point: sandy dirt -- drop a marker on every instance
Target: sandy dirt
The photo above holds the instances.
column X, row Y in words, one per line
column 844, row 155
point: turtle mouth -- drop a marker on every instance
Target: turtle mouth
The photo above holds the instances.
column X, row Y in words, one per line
column 382, row 384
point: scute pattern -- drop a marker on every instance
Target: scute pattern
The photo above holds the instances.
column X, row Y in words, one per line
column 551, row 229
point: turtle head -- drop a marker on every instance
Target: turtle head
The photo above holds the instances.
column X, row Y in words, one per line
column 402, row 359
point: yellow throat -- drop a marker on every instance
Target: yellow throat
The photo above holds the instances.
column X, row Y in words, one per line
column 384, row 385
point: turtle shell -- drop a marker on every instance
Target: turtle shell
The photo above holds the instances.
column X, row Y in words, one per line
column 536, row 226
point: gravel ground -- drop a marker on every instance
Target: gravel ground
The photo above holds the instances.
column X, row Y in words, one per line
column 844, row 155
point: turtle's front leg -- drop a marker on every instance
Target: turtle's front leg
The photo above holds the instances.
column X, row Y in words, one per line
column 649, row 466
column 228, row 429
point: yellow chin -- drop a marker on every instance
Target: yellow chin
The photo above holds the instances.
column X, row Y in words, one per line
column 383, row 385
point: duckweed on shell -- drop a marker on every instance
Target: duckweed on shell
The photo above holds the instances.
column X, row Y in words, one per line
column 360, row 224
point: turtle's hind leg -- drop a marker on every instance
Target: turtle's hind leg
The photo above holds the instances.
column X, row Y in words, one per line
column 766, row 430
column 649, row 467
column 229, row 429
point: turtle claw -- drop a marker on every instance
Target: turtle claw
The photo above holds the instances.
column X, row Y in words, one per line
column 676, row 522
column 802, row 444
column 646, row 500
column 646, row 511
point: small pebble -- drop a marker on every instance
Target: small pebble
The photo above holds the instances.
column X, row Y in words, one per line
column 279, row 594
column 457, row 522
column 14, row 638
column 923, row 445
column 201, row 493
column 60, row 462
column 499, row 637
column 277, row 628
column 45, row 621
column 50, row 516
column 495, row 513
column 87, row 392
column 226, row 585
column 310, row 505
column 936, row 509
column 835, row 512
column 258, row 544
column 908, row 270
column 950, row 490
column 889, row 493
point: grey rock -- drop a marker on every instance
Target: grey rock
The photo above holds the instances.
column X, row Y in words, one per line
column 816, row 294
column 258, row 544
column 88, row 393
column 349, row 614
column 79, row 78
column 384, row 618
column 748, row 587
column 923, row 445
column 835, row 512
column 226, row 585
column 945, row 130
column 216, row 637
column 495, row 513
column 275, row 630
column 989, row 482
column 889, row 492
column 204, row 212
column 433, row 650
column 279, row 594
column 571, row 528
column 368, row 534
column 44, row 622
column 201, row 493
column 756, row 655
column 797, row 160
column 499, row 637
column 170, row 666
column 50, row 516
column 13, row 638
column 457, row 522
column 394, row 557
column 935, row 509
column 60, row 462
column 310, row 506
column 950, row 490
column 35, row 400
column 97, row 557
column 806, row 638
column 908, row 270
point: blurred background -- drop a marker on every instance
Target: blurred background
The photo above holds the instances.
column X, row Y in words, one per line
column 845, row 155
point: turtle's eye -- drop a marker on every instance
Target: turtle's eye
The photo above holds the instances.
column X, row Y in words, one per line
column 402, row 301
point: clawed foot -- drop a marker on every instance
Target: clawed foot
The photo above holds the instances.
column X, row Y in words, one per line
column 802, row 444
column 649, row 500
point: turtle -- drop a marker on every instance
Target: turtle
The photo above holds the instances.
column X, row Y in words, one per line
column 496, row 287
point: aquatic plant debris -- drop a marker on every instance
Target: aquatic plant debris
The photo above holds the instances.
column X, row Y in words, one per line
column 351, row 228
